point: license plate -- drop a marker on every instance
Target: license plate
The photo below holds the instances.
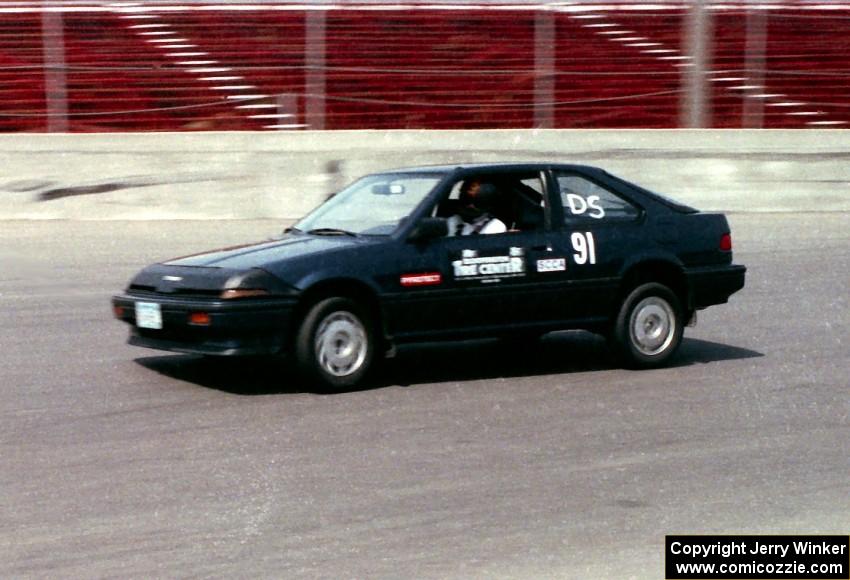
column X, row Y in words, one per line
column 148, row 315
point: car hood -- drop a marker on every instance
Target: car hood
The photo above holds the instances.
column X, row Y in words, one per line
column 261, row 254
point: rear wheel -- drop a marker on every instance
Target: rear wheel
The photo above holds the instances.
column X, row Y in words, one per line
column 334, row 346
column 649, row 326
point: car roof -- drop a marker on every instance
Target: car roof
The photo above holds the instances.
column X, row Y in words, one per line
column 498, row 166
column 463, row 170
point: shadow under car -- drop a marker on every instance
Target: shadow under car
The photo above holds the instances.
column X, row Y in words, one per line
column 556, row 353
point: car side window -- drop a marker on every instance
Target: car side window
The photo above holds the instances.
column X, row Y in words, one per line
column 586, row 200
column 516, row 200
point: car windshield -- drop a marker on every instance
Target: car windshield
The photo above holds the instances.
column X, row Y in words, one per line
column 373, row 205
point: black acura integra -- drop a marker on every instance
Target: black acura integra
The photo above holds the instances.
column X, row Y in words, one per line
column 377, row 265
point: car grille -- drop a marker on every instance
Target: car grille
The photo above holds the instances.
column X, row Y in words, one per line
column 141, row 291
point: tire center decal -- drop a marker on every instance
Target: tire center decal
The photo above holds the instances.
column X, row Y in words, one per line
column 471, row 266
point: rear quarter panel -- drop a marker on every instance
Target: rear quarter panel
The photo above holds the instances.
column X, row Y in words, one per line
column 698, row 239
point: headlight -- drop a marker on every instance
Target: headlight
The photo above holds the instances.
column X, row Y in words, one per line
column 232, row 293
column 254, row 283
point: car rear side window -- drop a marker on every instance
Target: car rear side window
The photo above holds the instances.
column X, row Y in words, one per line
column 584, row 199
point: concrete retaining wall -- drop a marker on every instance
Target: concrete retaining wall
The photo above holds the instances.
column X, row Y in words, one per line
column 283, row 175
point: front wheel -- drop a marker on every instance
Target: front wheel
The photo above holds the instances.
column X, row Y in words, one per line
column 649, row 326
column 335, row 346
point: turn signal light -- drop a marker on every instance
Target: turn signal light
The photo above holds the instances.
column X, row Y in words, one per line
column 726, row 243
column 200, row 318
column 243, row 293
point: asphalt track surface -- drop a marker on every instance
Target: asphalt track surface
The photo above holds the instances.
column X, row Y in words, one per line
column 467, row 460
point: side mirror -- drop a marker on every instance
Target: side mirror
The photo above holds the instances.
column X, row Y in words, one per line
column 429, row 228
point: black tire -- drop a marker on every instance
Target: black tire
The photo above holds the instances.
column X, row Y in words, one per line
column 335, row 345
column 649, row 326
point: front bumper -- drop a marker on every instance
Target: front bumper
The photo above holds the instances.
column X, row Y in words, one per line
column 236, row 328
column 714, row 284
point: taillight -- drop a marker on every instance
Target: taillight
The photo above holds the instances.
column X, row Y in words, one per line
column 726, row 243
column 118, row 311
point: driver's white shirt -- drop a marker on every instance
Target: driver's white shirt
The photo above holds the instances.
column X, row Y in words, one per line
column 485, row 224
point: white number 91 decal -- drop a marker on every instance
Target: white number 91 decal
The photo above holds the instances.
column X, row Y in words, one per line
column 584, row 247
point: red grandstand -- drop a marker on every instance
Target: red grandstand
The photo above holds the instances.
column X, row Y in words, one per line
column 131, row 66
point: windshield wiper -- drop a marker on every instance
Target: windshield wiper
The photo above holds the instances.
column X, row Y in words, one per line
column 292, row 230
column 331, row 232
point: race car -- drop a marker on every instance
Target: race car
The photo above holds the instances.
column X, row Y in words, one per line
column 394, row 258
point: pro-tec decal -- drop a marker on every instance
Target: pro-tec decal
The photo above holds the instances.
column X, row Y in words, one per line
column 423, row 279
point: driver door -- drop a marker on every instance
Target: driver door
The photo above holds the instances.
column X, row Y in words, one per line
column 479, row 284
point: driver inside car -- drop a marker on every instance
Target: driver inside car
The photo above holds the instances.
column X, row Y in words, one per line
column 475, row 211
